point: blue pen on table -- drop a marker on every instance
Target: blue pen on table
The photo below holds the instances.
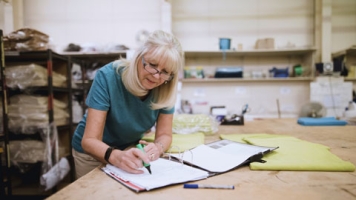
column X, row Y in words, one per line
column 148, row 167
column 208, row 186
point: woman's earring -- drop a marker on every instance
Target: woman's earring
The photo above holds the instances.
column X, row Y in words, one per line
column 165, row 82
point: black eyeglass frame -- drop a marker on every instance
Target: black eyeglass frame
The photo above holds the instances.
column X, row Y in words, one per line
column 162, row 74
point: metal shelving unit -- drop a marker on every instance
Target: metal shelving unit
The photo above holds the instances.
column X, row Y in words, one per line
column 5, row 184
column 52, row 62
column 86, row 62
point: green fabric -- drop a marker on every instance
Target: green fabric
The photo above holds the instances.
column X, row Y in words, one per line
column 181, row 143
column 293, row 154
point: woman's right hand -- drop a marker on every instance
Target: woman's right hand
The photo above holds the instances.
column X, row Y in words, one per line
column 129, row 160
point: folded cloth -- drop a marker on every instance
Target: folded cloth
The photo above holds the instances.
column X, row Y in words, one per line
column 193, row 123
column 293, row 154
column 181, row 143
column 324, row 121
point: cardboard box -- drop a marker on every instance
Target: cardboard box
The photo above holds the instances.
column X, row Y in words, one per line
column 265, row 43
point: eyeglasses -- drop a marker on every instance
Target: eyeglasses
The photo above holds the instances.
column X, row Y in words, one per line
column 152, row 69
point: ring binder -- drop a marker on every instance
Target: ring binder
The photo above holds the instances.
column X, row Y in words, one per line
column 201, row 162
column 227, row 155
column 180, row 154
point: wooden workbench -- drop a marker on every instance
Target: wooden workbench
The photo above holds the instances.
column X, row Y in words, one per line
column 249, row 184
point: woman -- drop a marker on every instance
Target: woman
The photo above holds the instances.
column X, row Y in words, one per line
column 126, row 100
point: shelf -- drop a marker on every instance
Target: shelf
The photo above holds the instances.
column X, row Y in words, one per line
column 92, row 54
column 279, row 52
column 224, row 80
column 350, row 51
column 260, row 93
column 27, row 186
column 83, row 83
column 350, row 79
column 95, row 57
column 35, row 89
column 255, row 60
column 347, row 58
column 32, row 56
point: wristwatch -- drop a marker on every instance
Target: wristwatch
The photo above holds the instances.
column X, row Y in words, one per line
column 108, row 153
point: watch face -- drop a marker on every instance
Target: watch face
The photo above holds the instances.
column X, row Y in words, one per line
column 328, row 67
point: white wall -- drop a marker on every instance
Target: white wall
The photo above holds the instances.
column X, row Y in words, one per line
column 261, row 97
column 6, row 17
column 200, row 23
column 102, row 23
column 343, row 24
column 197, row 23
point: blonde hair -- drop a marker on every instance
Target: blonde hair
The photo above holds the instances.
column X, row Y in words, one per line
column 162, row 46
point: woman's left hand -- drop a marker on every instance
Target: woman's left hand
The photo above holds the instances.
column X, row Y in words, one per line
column 151, row 150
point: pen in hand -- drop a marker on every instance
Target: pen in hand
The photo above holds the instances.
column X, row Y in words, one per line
column 148, row 167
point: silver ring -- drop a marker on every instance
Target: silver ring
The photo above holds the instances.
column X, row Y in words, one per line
column 152, row 156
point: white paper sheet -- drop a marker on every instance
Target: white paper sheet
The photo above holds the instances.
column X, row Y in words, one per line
column 222, row 159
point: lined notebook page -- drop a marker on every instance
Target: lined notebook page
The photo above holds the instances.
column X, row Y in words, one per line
column 164, row 172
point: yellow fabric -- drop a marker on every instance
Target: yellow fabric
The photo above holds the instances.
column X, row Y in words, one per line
column 293, row 154
column 181, row 142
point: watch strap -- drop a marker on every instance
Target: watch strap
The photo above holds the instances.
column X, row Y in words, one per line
column 108, row 153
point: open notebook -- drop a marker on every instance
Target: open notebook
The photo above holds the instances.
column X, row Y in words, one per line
column 223, row 155
column 164, row 172
column 195, row 164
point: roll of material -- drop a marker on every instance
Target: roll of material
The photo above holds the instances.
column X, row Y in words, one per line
column 55, row 174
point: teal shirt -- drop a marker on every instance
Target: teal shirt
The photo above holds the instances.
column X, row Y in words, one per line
column 128, row 117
